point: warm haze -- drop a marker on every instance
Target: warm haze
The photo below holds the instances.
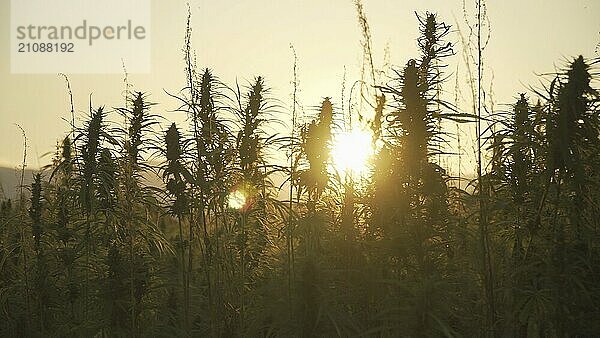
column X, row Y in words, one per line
column 300, row 168
column 242, row 39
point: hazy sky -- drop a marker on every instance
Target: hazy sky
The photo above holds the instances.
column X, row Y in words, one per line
column 242, row 39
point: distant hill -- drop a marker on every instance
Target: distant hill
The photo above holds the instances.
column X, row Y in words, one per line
column 9, row 182
column 10, row 179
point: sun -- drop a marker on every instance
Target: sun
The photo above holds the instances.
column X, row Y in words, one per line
column 236, row 200
column 352, row 151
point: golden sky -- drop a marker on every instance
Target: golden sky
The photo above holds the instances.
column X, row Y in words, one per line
column 243, row 39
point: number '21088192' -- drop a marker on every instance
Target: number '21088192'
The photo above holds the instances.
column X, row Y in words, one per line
column 46, row 47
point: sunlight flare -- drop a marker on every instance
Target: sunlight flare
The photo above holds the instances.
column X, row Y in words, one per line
column 352, row 151
column 236, row 200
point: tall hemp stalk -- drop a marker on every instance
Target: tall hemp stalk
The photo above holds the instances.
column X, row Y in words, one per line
column 175, row 174
column 91, row 135
column 24, row 242
column 292, row 179
column 315, row 143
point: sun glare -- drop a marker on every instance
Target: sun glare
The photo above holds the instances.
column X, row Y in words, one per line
column 236, row 200
column 352, row 151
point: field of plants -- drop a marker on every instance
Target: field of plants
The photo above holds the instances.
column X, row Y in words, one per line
column 252, row 219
